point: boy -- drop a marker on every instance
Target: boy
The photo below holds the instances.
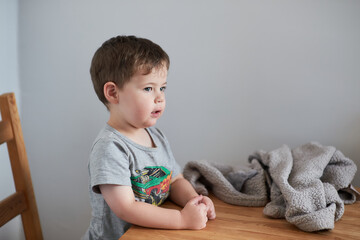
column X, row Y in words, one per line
column 131, row 165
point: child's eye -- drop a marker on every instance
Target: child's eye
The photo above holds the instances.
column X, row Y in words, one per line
column 162, row 89
column 148, row 89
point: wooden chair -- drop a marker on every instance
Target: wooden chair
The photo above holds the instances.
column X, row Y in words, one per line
column 23, row 200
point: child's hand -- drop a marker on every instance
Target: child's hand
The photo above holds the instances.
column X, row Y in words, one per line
column 194, row 213
column 210, row 207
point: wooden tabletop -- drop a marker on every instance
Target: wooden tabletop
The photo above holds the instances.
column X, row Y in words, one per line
column 236, row 222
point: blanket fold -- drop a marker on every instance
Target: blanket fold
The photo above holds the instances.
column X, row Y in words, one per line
column 307, row 186
column 206, row 176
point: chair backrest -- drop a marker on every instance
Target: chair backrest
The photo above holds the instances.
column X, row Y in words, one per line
column 23, row 200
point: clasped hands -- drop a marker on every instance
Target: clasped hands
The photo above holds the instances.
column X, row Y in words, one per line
column 197, row 211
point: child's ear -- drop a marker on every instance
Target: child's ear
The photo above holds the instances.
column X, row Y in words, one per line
column 111, row 92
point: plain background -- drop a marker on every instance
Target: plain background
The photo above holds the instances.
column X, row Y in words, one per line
column 244, row 76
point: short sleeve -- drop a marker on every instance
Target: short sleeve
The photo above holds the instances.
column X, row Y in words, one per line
column 172, row 161
column 108, row 164
column 176, row 167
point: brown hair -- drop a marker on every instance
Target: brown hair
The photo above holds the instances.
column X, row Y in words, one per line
column 119, row 58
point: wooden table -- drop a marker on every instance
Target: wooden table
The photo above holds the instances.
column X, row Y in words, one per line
column 236, row 222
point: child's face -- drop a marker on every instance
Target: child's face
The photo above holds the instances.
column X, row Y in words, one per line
column 142, row 99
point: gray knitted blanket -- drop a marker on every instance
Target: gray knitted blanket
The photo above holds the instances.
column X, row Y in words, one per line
column 307, row 186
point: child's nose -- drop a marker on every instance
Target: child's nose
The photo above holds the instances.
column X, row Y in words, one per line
column 159, row 98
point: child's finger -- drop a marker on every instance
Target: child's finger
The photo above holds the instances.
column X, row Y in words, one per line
column 204, row 210
column 196, row 200
column 212, row 214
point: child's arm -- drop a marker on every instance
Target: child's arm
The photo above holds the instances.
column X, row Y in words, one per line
column 182, row 191
column 122, row 202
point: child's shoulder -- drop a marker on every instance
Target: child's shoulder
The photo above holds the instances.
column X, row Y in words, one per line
column 105, row 133
column 108, row 137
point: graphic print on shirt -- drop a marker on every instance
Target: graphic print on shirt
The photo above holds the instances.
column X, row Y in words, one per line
column 152, row 184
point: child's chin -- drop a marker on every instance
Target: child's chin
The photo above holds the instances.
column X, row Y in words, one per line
column 149, row 124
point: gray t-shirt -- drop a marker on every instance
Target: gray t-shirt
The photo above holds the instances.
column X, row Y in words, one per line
column 115, row 159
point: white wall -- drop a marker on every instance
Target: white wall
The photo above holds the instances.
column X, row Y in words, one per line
column 9, row 82
column 244, row 75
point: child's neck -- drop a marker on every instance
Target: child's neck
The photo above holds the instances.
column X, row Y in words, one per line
column 137, row 135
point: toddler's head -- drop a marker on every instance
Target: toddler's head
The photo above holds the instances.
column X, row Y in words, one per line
column 119, row 58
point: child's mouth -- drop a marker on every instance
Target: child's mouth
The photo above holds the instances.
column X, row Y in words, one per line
column 156, row 113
